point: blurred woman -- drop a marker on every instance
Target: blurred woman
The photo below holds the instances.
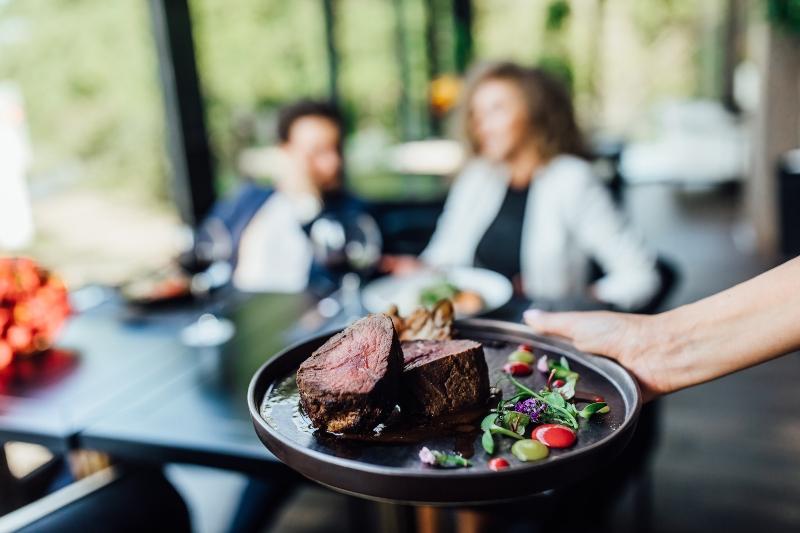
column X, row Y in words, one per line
column 527, row 204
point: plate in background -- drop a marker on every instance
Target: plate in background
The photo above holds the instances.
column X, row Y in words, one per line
column 404, row 291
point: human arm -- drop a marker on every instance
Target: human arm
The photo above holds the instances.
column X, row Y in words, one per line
column 743, row 326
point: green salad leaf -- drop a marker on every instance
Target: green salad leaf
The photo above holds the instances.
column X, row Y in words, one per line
column 488, row 421
column 568, row 390
column 487, row 441
column 516, row 421
column 591, row 409
column 561, row 369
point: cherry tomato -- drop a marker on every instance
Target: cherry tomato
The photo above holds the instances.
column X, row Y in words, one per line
column 19, row 337
column 498, row 463
column 525, row 348
column 559, row 383
column 6, row 355
column 554, row 435
column 518, row 369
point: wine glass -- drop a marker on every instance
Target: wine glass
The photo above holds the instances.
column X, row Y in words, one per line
column 349, row 248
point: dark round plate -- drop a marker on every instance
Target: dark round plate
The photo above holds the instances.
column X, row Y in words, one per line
column 393, row 472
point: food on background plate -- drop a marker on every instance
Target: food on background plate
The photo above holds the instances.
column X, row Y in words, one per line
column 466, row 302
column 351, row 382
column 441, row 377
column 166, row 285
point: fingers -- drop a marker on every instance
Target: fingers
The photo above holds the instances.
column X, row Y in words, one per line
column 544, row 323
column 595, row 331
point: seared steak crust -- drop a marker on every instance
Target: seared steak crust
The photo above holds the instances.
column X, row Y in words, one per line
column 351, row 382
column 441, row 377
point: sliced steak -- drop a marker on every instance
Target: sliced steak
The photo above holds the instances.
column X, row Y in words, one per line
column 441, row 377
column 351, row 382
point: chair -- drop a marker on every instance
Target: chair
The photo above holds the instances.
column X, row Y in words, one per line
column 670, row 277
column 109, row 500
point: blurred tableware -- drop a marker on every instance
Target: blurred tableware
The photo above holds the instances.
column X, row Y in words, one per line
column 350, row 244
column 207, row 337
column 349, row 249
column 409, row 291
column 207, row 330
column 173, row 285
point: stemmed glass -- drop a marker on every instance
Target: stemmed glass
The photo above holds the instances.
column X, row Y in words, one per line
column 350, row 249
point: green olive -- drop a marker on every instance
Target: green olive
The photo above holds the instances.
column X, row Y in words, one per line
column 529, row 450
column 521, row 356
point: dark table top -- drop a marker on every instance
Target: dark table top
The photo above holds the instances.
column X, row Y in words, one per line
column 125, row 383
column 102, row 361
column 199, row 413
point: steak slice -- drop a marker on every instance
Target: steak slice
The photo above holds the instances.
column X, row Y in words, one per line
column 351, row 382
column 441, row 377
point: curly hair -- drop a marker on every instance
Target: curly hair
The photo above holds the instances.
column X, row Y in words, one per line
column 551, row 116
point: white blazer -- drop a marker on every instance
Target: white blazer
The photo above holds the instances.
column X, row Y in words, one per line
column 569, row 218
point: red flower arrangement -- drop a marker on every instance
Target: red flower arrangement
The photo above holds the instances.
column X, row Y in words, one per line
column 33, row 307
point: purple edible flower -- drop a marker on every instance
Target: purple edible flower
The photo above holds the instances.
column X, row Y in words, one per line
column 426, row 456
column 531, row 407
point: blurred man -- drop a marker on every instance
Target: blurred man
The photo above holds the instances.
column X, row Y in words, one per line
column 262, row 231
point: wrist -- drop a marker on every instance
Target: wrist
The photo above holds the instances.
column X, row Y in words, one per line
column 679, row 349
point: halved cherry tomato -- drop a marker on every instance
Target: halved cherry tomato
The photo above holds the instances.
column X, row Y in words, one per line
column 554, row 435
column 558, row 383
column 525, row 348
column 498, row 463
column 518, row 369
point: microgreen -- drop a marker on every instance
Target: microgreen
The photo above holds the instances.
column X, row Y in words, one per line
column 516, row 421
column 488, row 421
column 487, row 441
column 591, row 409
column 559, row 410
column 561, row 368
column 442, row 459
column 494, row 424
column 567, row 391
